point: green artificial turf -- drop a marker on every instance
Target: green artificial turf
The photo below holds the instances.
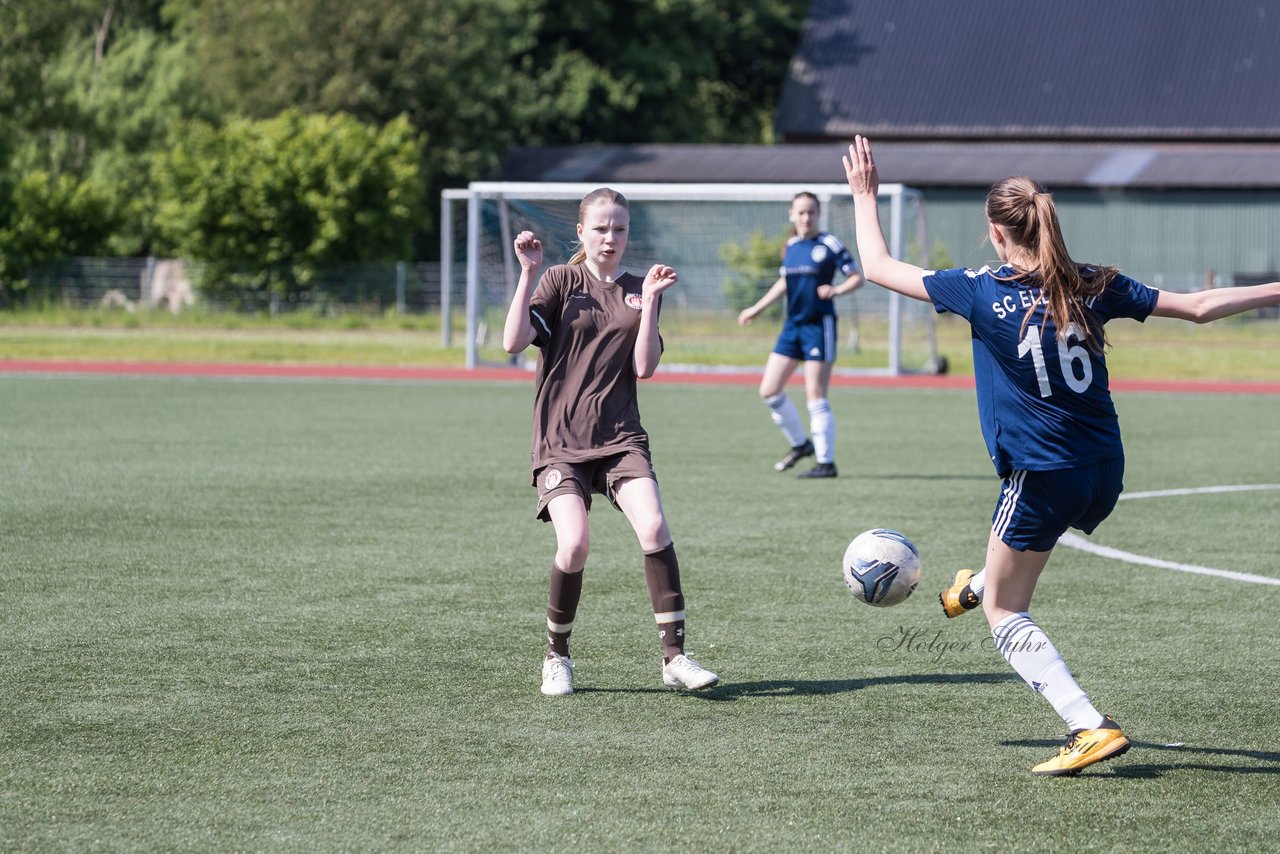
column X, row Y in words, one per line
column 308, row 616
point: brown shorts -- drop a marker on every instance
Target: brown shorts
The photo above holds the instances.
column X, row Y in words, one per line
column 590, row 476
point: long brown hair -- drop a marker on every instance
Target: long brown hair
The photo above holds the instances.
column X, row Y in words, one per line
column 603, row 195
column 1026, row 210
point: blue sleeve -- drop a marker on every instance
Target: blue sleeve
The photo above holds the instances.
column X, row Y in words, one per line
column 843, row 257
column 952, row 290
column 1124, row 297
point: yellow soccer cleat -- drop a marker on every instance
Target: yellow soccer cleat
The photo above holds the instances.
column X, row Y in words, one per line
column 1084, row 748
column 958, row 598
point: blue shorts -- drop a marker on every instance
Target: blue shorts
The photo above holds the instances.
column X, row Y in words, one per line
column 808, row 342
column 1037, row 507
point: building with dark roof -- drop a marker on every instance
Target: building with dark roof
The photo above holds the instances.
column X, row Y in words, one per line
column 1023, row 70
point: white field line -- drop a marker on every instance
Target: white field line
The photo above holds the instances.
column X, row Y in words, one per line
column 1075, row 541
column 1199, row 490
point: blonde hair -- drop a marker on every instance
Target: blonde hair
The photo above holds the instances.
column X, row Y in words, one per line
column 1026, row 210
column 603, row 195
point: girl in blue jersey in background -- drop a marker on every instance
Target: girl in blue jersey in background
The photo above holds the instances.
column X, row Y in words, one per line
column 810, row 262
column 1045, row 408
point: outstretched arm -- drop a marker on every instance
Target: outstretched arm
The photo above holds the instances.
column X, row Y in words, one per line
column 648, row 344
column 517, row 334
column 878, row 265
column 770, row 297
column 1206, row 306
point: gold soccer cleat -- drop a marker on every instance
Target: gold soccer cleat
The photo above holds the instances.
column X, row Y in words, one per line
column 1084, row 748
column 958, row 598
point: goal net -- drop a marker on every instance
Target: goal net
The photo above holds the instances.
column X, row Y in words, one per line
column 725, row 242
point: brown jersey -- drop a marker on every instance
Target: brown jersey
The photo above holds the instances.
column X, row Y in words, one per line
column 585, row 405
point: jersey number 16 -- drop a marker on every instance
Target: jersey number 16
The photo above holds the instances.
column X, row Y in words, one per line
column 1070, row 353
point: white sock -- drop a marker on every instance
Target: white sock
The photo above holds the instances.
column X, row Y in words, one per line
column 1030, row 652
column 783, row 412
column 822, row 423
column 979, row 583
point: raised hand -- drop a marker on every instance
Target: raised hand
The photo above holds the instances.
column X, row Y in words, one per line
column 660, row 278
column 528, row 250
column 860, row 168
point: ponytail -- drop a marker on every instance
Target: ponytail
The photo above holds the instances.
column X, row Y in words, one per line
column 1023, row 207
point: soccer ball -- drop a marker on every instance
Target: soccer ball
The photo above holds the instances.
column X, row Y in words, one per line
column 881, row 567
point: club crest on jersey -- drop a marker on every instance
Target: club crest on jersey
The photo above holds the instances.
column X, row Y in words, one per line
column 634, row 300
column 818, row 254
column 552, row 480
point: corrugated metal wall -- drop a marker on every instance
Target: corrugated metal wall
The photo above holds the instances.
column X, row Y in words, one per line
column 1170, row 239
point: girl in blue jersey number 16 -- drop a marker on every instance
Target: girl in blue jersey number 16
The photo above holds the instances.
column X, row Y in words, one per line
column 810, row 261
column 1046, row 412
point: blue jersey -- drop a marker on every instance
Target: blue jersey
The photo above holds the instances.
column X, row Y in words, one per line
column 807, row 263
column 1043, row 399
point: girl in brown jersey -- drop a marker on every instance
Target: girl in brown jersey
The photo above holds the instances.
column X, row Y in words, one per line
column 597, row 329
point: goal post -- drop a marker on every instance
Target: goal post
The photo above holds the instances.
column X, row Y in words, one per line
column 724, row 240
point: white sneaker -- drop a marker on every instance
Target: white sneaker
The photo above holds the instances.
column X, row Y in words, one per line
column 683, row 672
column 557, row 675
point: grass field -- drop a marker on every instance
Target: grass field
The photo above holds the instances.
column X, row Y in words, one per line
column 288, row 616
column 1233, row 349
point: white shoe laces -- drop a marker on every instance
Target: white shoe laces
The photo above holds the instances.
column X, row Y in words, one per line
column 558, row 669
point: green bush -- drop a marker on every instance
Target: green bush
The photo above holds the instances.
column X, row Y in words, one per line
column 753, row 270
column 48, row 218
column 261, row 205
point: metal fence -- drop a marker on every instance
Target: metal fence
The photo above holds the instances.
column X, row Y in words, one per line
column 407, row 287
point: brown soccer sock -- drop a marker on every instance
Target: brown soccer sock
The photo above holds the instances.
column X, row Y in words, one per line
column 562, row 608
column 662, row 575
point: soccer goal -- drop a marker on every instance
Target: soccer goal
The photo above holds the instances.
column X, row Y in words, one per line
column 725, row 242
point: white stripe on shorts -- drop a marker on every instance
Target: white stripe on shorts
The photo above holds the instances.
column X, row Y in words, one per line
column 1009, row 498
column 829, row 338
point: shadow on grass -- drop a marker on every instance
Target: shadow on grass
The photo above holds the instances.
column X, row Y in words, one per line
column 816, row 687
column 1269, row 761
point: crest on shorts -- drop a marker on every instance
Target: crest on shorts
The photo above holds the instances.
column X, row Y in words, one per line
column 635, row 301
column 552, row 480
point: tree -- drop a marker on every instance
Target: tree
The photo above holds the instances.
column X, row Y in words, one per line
column 93, row 88
column 479, row 76
column 111, row 80
column 446, row 64
column 126, row 102
column 676, row 71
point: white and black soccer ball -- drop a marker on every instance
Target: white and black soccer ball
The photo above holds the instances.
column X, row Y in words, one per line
column 881, row 567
